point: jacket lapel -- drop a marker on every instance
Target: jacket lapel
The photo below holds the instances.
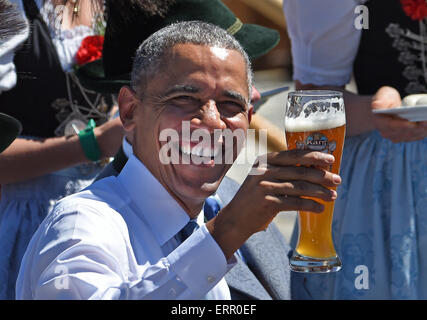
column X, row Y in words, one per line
column 241, row 279
column 266, row 274
column 266, row 254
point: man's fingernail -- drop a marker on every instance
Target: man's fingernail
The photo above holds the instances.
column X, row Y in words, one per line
column 336, row 178
column 329, row 158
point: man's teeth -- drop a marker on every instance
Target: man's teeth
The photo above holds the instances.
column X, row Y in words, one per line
column 200, row 151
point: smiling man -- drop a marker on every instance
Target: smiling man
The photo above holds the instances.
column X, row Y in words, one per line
column 202, row 86
column 141, row 235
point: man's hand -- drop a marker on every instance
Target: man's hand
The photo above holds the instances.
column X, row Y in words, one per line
column 289, row 176
column 392, row 127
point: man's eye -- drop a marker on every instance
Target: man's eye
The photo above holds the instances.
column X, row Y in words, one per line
column 187, row 103
column 231, row 107
column 184, row 99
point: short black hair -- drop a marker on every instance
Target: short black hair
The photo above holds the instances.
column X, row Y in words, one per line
column 150, row 53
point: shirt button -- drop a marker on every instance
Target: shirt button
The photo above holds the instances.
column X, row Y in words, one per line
column 211, row 279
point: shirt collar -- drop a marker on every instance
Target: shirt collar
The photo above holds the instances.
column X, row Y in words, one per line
column 154, row 203
column 127, row 148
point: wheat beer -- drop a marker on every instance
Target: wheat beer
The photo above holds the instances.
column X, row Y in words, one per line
column 318, row 130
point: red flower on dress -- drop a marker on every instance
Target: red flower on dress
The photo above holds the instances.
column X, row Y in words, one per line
column 415, row 9
column 90, row 49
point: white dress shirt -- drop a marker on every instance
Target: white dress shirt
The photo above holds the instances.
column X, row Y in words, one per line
column 127, row 148
column 324, row 39
column 115, row 240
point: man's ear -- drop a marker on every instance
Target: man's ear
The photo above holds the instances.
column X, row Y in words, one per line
column 128, row 101
column 250, row 112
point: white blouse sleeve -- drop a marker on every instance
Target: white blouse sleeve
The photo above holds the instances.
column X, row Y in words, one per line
column 324, row 39
column 7, row 48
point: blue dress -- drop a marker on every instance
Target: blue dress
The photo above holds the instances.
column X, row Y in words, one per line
column 22, row 208
column 379, row 225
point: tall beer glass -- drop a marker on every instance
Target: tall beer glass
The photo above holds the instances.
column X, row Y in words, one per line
column 315, row 120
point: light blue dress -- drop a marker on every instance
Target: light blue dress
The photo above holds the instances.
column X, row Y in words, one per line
column 380, row 224
column 22, row 208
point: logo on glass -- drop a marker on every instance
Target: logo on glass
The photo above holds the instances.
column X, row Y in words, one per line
column 317, row 142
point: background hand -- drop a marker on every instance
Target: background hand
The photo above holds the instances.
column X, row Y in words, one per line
column 109, row 136
column 392, row 127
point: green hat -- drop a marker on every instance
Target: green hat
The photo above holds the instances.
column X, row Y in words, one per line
column 124, row 35
column 10, row 128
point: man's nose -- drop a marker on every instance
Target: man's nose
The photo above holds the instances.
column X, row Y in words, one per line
column 211, row 118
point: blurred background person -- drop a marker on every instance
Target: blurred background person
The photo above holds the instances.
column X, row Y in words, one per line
column 380, row 220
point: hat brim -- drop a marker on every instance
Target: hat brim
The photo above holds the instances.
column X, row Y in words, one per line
column 255, row 39
column 10, row 128
column 92, row 77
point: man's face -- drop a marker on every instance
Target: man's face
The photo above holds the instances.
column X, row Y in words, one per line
column 205, row 87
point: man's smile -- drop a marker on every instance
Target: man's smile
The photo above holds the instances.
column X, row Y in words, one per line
column 198, row 153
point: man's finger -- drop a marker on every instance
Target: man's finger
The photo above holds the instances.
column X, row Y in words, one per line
column 309, row 174
column 291, row 203
column 300, row 157
column 300, row 188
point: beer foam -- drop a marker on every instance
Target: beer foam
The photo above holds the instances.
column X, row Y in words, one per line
column 317, row 115
column 301, row 125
